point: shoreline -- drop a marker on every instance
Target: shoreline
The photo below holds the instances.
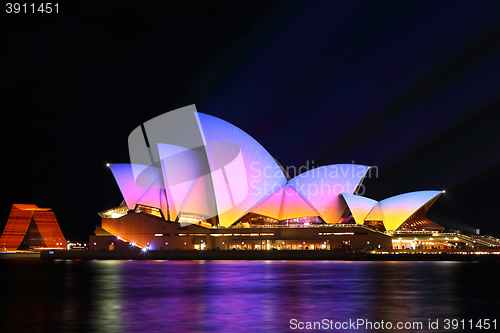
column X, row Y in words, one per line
column 263, row 255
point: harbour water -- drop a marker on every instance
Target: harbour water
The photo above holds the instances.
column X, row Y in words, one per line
column 242, row 296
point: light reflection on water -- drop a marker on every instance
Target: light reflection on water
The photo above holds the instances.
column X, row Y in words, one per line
column 236, row 296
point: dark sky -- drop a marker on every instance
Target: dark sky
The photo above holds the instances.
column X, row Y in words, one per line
column 412, row 87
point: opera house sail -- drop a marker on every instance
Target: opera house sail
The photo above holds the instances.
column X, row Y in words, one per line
column 196, row 181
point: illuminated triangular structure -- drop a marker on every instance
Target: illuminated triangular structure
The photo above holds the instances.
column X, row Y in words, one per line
column 28, row 220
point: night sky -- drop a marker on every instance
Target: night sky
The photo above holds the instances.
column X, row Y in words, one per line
column 412, row 87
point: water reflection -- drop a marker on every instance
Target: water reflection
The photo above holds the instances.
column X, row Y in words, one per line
column 236, row 296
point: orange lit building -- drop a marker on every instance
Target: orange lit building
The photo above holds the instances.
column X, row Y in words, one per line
column 31, row 228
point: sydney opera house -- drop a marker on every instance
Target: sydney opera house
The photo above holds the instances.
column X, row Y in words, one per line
column 198, row 182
